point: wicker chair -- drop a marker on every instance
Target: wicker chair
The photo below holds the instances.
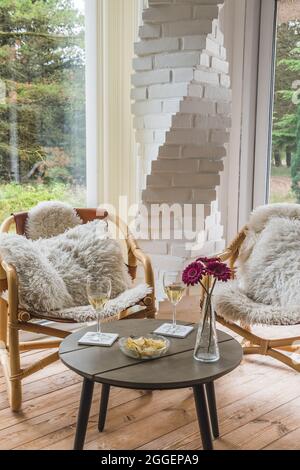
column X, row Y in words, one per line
column 13, row 319
column 252, row 343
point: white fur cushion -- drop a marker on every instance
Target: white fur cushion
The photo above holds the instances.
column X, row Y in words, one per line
column 267, row 289
column 52, row 272
column 49, row 219
column 85, row 313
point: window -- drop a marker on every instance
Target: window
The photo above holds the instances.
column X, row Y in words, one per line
column 42, row 103
column 285, row 152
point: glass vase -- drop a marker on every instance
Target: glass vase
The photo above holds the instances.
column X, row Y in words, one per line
column 206, row 347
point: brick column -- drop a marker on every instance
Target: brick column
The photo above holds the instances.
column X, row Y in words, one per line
column 182, row 106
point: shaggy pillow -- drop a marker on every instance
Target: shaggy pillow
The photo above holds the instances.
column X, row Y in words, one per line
column 49, row 219
column 40, row 285
column 52, row 272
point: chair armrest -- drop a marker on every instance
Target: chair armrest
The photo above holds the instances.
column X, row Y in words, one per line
column 11, row 282
column 146, row 263
column 3, row 279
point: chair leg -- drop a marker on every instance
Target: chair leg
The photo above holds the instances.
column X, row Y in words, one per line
column 15, row 369
column 3, row 322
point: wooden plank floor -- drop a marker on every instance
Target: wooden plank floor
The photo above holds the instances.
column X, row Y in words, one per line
column 259, row 408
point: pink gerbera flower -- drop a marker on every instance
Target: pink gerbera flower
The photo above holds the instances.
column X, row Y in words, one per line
column 193, row 274
column 219, row 271
column 207, row 260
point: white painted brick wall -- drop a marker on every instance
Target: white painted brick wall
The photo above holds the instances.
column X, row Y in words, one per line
column 170, row 151
column 147, row 107
column 203, row 196
column 202, row 181
column 159, row 181
column 205, row 151
column 183, row 75
column 198, row 107
column 202, row 2
column 180, row 59
column 138, row 94
column 149, row 78
column 160, row 136
column 142, row 63
column 205, row 60
column 168, row 195
column 155, row 247
column 220, row 65
column 138, row 122
column 168, row 91
column 182, row 121
column 149, row 31
column 207, row 76
column 223, row 53
column 167, row 13
column 196, row 90
column 205, row 11
column 219, row 137
column 217, row 93
column 215, row 122
column 181, row 89
column 224, row 108
column 186, row 28
column 175, row 165
column 193, row 136
column 195, row 43
column 225, row 80
column 144, row 136
column 161, row 121
column 171, row 106
column 212, row 47
column 156, row 45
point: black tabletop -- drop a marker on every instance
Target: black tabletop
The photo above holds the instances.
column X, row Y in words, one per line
column 178, row 369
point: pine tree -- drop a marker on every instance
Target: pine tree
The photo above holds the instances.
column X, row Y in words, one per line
column 42, row 84
column 296, row 163
column 287, row 72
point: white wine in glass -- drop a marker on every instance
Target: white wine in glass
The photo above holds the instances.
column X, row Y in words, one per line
column 174, row 290
column 98, row 291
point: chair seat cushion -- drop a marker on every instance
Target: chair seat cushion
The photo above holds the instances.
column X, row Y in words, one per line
column 86, row 313
column 234, row 305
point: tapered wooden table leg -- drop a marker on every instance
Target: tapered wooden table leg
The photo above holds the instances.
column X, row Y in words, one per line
column 212, row 405
column 84, row 412
column 103, row 406
column 203, row 416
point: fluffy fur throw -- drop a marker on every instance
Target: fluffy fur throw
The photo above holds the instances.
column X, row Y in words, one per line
column 49, row 219
column 268, row 278
column 52, row 272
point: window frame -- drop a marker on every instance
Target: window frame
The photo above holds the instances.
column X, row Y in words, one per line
column 252, row 60
column 265, row 103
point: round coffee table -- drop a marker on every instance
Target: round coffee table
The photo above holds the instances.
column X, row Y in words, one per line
column 178, row 369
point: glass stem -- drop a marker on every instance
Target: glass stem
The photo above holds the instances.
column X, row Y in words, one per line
column 99, row 322
column 174, row 316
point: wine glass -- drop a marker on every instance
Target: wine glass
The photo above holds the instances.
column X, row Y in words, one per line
column 98, row 291
column 174, row 289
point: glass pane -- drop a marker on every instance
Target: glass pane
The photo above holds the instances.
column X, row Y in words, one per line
column 285, row 170
column 42, row 103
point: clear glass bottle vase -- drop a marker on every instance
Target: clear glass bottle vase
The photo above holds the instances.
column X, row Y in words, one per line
column 206, row 347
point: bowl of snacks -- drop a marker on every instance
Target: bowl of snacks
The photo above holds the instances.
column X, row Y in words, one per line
column 144, row 347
